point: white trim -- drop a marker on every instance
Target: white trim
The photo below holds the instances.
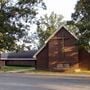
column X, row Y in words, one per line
column 17, row 59
column 59, row 30
column 39, row 51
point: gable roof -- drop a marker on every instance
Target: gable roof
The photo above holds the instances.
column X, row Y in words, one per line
column 23, row 55
column 58, row 31
column 51, row 38
column 39, row 51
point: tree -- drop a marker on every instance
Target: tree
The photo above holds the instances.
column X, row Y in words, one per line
column 14, row 19
column 81, row 18
column 47, row 25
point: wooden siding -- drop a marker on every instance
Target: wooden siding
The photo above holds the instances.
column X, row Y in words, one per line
column 63, row 52
column 84, row 59
column 42, row 59
column 60, row 53
column 2, row 63
column 31, row 63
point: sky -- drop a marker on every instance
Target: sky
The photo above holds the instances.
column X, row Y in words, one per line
column 61, row 7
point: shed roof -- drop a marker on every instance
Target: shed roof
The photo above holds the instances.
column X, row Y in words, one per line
column 22, row 55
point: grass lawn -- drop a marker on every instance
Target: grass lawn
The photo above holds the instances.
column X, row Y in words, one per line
column 15, row 68
column 23, row 69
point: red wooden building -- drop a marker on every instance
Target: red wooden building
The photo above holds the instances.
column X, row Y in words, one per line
column 60, row 53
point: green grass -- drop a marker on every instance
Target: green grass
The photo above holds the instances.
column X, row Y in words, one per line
column 14, row 68
column 23, row 69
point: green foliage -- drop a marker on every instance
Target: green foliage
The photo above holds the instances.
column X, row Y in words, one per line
column 14, row 19
column 47, row 25
column 71, row 27
column 81, row 18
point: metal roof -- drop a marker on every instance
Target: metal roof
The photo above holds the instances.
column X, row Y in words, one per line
column 27, row 55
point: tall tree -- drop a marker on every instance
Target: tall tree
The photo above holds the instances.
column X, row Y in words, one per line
column 15, row 19
column 81, row 18
column 47, row 25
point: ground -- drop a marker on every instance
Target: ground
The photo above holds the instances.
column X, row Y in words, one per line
column 18, row 81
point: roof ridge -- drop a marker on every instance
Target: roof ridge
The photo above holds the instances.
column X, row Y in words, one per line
column 51, row 37
column 59, row 30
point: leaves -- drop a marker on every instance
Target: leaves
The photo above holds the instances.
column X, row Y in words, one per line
column 14, row 19
column 81, row 17
column 47, row 25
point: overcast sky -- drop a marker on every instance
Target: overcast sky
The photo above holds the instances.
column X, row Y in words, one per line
column 63, row 7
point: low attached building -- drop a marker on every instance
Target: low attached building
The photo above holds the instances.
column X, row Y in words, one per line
column 24, row 58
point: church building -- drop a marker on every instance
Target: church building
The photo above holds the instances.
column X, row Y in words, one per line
column 59, row 53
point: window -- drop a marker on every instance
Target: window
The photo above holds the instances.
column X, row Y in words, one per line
column 66, row 65
column 60, row 66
